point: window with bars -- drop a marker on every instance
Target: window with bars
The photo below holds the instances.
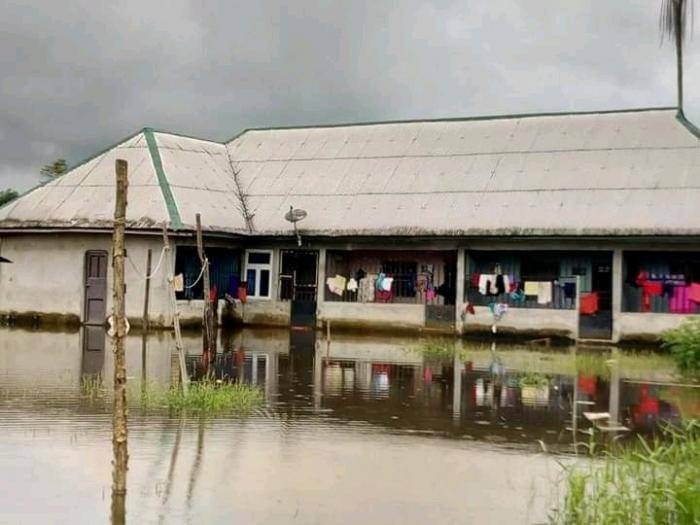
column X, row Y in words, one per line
column 404, row 275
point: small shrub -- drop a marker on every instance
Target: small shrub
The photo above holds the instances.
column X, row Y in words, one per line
column 684, row 344
column 655, row 482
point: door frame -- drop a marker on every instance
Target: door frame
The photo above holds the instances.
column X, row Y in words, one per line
column 89, row 253
column 295, row 302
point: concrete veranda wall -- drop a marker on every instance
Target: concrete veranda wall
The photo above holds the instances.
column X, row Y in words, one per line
column 647, row 326
column 537, row 322
column 373, row 316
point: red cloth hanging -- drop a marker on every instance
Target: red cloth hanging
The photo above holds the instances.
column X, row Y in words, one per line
column 694, row 292
column 589, row 303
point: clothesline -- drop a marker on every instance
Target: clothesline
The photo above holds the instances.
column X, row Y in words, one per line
column 201, row 273
column 153, row 272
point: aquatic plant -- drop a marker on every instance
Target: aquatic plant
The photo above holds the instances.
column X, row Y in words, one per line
column 204, row 396
column 654, row 482
column 684, row 344
column 207, row 396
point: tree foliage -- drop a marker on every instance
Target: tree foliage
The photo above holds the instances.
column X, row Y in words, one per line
column 8, row 195
column 55, row 169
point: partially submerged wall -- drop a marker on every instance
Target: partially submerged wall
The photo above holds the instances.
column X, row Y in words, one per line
column 46, row 278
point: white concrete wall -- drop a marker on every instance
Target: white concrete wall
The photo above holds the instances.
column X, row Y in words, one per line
column 374, row 316
column 557, row 322
column 647, row 326
column 47, row 274
column 266, row 312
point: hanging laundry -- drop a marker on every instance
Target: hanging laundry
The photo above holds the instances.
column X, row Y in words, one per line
column 500, row 285
column 386, row 284
column 694, row 292
column 498, row 310
column 422, row 282
column 569, row 290
column 518, row 296
column 352, row 285
column 544, row 292
column 336, row 284
column 430, row 295
column 366, row 287
column 474, row 280
column 486, row 281
column 531, row 287
column 383, row 296
column 680, row 302
column 179, row 283
column 589, row 303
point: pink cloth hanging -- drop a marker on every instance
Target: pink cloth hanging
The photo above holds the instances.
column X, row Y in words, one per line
column 694, row 293
column 680, row 302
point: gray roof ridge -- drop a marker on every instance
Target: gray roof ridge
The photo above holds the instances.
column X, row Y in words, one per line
column 475, row 118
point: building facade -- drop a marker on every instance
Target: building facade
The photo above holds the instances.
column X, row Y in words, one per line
column 584, row 226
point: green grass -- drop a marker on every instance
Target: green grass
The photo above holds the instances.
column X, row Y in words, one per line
column 202, row 396
column 595, row 361
column 684, row 344
column 654, row 482
column 208, row 396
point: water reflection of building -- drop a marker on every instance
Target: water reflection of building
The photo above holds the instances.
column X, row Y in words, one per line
column 368, row 379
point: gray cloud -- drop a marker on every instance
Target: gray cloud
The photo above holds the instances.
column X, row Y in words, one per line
column 77, row 76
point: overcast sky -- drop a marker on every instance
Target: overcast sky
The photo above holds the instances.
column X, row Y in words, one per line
column 77, row 76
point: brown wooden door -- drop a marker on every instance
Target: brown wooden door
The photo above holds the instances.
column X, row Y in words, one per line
column 95, row 287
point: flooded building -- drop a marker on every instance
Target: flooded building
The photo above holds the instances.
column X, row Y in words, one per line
column 581, row 225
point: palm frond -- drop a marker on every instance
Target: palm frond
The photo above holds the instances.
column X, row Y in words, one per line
column 675, row 18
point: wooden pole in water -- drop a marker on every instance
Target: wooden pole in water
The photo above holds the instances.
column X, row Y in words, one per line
column 147, row 290
column 207, row 317
column 145, row 321
column 119, row 413
column 184, row 378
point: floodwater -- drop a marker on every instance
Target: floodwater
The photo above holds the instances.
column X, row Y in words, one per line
column 358, row 430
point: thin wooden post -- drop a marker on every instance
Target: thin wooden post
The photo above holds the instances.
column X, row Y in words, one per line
column 119, row 413
column 145, row 321
column 208, row 314
column 184, row 378
column 147, row 290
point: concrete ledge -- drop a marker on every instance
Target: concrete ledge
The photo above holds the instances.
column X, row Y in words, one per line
column 524, row 323
column 265, row 313
column 373, row 316
column 647, row 327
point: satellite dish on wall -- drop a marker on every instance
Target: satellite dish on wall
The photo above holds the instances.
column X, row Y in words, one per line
column 294, row 215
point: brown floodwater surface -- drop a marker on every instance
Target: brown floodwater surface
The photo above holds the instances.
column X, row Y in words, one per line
column 361, row 430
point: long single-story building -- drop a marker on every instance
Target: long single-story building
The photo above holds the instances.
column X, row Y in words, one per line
column 583, row 225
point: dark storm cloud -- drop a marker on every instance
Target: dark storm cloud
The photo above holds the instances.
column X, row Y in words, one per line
column 78, row 75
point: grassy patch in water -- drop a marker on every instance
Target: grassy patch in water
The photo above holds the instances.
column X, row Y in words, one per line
column 203, row 396
column 207, row 396
column 656, row 482
column 684, row 344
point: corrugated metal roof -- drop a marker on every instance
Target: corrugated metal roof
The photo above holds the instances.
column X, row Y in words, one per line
column 611, row 173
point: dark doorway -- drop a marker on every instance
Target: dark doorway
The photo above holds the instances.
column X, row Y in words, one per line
column 298, row 284
column 442, row 314
column 595, row 319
